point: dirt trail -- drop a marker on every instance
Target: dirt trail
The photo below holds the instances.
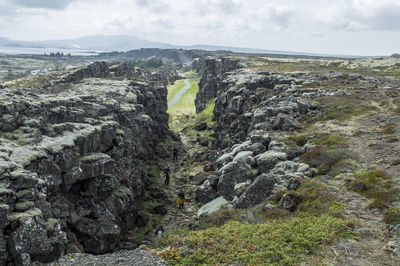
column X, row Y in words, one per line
column 182, row 179
column 376, row 150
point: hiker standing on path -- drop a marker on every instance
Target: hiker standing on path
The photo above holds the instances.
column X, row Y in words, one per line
column 181, row 200
column 175, row 154
column 159, row 233
column 167, row 171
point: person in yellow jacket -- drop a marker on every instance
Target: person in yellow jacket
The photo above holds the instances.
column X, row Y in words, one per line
column 181, row 200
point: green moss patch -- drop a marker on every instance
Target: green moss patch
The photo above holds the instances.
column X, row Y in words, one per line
column 36, row 81
column 389, row 129
column 299, row 140
column 392, row 216
column 185, row 106
column 343, row 107
column 376, row 185
column 192, row 75
column 396, row 162
column 275, row 242
column 330, row 141
column 317, row 199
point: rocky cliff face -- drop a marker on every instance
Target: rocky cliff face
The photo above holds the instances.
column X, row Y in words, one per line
column 73, row 163
column 211, row 70
column 124, row 70
column 251, row 109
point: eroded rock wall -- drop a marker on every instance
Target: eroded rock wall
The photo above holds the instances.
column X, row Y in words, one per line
column 211, row 71
column 73, row 165
column 251, row 109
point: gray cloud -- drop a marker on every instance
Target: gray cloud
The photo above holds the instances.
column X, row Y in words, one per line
column 280, row 17
column 142, row 2
column 48, row 4
column 366, row 15
column 156, row 6
column 385, row 18
column 6, row 9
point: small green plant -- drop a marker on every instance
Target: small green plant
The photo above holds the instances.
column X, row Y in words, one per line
column 376, row 185
column 318, row 200
column 207, row 114
column 299, row 140
column 392, row 216
column 389, row 129
column 330, row 141
column 396, row 162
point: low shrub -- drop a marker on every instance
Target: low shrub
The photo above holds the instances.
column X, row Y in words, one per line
column 376, row 185
column 330, row 141
column 344, row 107
column 299, row 140
column 392, row 216
column 396, row 162
column 318, row 200
column 389, row 129
column 324, row 159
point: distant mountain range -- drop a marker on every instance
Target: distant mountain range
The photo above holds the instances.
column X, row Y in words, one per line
column 108, row 43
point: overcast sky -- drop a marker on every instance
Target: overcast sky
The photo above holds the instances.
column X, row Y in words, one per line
column 359, row 27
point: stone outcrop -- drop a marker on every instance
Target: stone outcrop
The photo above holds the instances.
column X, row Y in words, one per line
column 212, row 207
column 211, row 71
column 250, row 108
column 73, row 163
column 253, row 100
column 162, row 76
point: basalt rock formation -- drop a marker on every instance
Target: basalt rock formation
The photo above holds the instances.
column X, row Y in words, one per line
column 211, row 70
column 251, row 108
column 73, row 162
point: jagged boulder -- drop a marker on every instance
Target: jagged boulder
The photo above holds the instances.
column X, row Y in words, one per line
column 286, row 122
column 208, row 190
column 262, row 187
column 267, row 160
column 98, row 236
column 232, row 174
column 32, row 241
column 212, row 207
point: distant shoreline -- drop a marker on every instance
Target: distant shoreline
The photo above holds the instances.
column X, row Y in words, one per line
column 41, row 51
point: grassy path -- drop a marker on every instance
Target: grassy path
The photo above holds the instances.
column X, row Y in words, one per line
column 174, row 88
column 178, row 95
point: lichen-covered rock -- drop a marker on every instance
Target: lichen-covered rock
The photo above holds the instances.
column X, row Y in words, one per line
column 32, row 241
column 262, row 187
column 232, row 174
column 285, row 122
column 208, row 190
column 73, row 161
column 250, row 107
column 211, row 70
column 267, row 160
column 212, row 207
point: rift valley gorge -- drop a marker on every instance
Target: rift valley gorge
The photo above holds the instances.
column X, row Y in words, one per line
column 281, row 159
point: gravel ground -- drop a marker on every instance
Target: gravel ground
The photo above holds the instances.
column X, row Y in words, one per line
column 120, row 258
